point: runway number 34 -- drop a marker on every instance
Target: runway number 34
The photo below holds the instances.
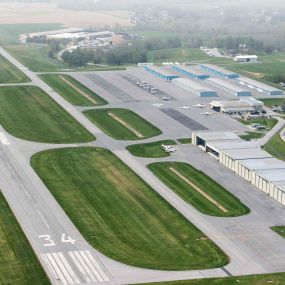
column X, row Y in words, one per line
column 48, row 241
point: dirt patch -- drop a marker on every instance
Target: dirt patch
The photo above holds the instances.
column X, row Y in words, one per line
column 204, row 194
column 125, row 124
column 256, row 74
column 13, row 13
column 87, row 96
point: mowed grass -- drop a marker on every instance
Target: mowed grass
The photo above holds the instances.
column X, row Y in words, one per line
column 269, row 123
column 232, row 205
column 119, row 131
column 30, row 114
column 150, row 150
column 252, row 136
column 72, row 90
column 18, row 263
column 275, row 279
column 280, row 230
column 276, row 147
column 10, row 74
column 120, row 215
column 271, row 102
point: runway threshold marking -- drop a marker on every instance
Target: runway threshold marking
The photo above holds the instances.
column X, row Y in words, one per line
column 60, row 268
column 125, row 124
column 199, row 190
column 88, row 266
column 4, row 140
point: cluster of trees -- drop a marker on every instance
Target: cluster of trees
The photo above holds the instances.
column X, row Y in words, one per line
column 119, row 55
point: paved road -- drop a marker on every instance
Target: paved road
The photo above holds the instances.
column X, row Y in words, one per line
column 73, row 261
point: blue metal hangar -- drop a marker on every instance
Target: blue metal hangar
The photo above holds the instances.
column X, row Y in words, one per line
column 261, row 87
column 228, row 87
column 194, row 87
column 191, row 72
column 219, row 71
column 161, row 73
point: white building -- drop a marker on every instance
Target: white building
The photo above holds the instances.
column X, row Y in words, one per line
column 246, row 58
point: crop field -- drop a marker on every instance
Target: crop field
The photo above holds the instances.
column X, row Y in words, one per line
column 275, row 279
column 72, row 90
column 276, row 147
column 10, row 74
column 122, row 124
column 18, row 263
column 120, row 215
column 30, row 114
column 198, row 189
column 151, row 150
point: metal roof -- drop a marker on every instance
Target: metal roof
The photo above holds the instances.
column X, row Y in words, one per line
column 216, row 136
column 246, row 56
column 267, row 163
column 257, row 84
column 161, row 70
column 245, row 154
column 227, row 85
column 232, row 144
column 192, row 84
column 219, row 69
column 280, row 185
column 273, row 175
column 193, row 70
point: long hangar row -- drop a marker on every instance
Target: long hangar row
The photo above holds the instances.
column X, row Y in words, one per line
column 245, row 159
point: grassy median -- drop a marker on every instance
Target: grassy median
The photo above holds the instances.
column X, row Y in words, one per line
column 198, row 189
column 120, row 215
column 29, row 113
column 276, row 147
column 10, row 74
column 150, row 150
column 72, row 90
column 122, row 124
column 18, row 263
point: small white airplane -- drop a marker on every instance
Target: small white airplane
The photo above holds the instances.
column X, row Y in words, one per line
column 166, row 98
column 207, row 113
column 168, row 148
column 184, row 107
column 200, row 106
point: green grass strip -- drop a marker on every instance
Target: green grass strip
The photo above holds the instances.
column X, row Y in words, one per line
column 120, row 215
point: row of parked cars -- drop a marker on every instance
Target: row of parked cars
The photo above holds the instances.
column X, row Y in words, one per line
column 147, row 87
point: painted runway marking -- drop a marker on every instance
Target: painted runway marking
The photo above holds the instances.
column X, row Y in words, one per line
column 60, row 268
column 4, row 140
column 88, row 266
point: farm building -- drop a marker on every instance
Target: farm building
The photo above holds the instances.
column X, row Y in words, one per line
column 259, row 86
column 228, row 87
column 191, row 72
column 161, row 73
column 219, row 71
column 246, row 58
column 194, row 87
column 243, row 105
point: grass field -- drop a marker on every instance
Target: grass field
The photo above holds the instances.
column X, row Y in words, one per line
column 28, row 113
column 223, row 203
column 185, row 140
column 276, row 147
column 150, row 150
column 72, row 90
column 10, row 74
column 18, row 263
column 252, row 136
column 127, row 125
column 269, row 123
column 120, row 215
column 271, row 102
column 280, row 230
column 275, row 279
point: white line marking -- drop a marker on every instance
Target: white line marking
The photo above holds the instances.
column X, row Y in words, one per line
column 43, row 218
column 49, row 265
column 4, row 140
column 86, row 268
column 98, row 267
column 68, row 267
column 56, row 269
column 78, row 264
column 62, row 268
column 91, row 266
